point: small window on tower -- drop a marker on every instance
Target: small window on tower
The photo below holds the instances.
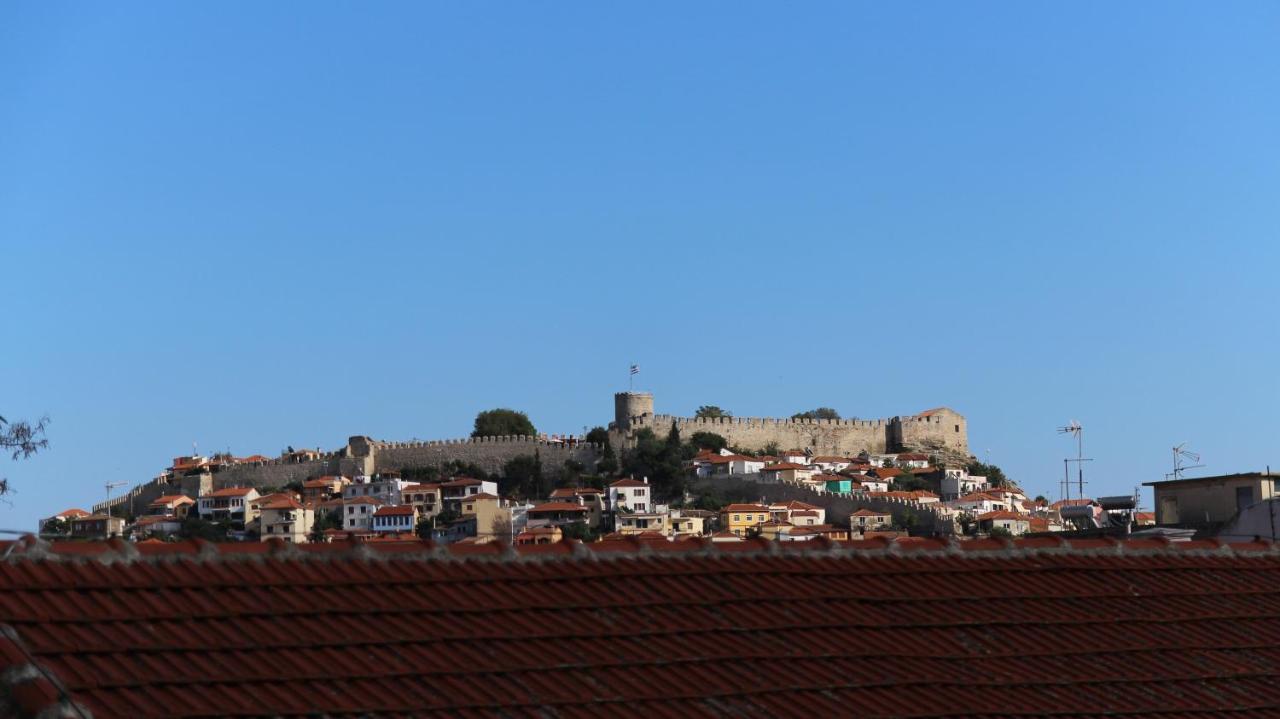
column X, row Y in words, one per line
column 957, row 428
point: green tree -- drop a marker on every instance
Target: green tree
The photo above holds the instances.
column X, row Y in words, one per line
column 1000, row 533
column 708, row 440
column 597, row 435
column 819, row 413
column 328, row 520
column 522, row 477
column 995, row 475
column 501, row 421
column 195, row 528
column 1040, row 499
column 21, row 439
column 905, row 519
column 294, row 486
column 770, row 450
column 710, row 411
column 579, row 531
column 966, row 522
column 661, row 460
column 908, row 482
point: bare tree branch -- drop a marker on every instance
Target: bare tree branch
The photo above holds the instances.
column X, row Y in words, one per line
column 23, row 439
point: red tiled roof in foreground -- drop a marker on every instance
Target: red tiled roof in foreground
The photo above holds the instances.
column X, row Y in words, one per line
column 685, row 629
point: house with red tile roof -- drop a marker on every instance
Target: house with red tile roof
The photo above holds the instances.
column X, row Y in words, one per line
column 1016, row 524
column 788, row 472
column 153, row 525
column 424, row 497
column 357, row 513
column 97, row 526
column 743, row 519
column 864, row 520
column 320, row 489
column 284, row 518
column 170, row 505
column 590, row 497
column 798, row 513
column 394, row 519
column 633, row 494
column 1096, row 615
column 539, row 535
column 232, row 504
column 61, row 520
column 556, row 514
column 455, row 490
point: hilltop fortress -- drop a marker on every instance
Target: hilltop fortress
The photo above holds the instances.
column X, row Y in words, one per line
column 937, row 431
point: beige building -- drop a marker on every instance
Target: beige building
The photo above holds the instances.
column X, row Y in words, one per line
column 284, row 518
column 493, row 516
column 1203, row 500
column 97, row 526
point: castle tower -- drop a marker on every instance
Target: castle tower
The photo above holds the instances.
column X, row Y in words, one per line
column 631, row 404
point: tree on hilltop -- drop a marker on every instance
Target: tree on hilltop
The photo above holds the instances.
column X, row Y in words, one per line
column 819, row 413
column 22, row 439
column 710, row 411
column 995, row 475
column 500, row 422
column 708, row 440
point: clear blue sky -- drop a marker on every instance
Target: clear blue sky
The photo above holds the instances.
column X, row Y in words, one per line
column 260, row 224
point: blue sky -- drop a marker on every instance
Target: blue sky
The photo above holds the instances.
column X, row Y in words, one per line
column 259, row 224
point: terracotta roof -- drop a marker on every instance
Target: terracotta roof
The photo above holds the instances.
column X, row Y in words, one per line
column 629, row 483
column 253, row 458
column 400, row 510
column 783, row 466
column 869, row 513
column 421, row 488
column 557, row 507
column 230, row 492
column 462, row 482
column 171, row 499
column 280, row 503
column 322, row 482
column 479, row 495
column 795, row 504
column 745, row 508
column 71, row 513
column 1060, row 629
column 363, row 500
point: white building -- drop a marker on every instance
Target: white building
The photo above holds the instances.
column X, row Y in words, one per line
column 957, row 482
column 230, row 503
column 357, row 513
column 630, row 493
column 386, row 490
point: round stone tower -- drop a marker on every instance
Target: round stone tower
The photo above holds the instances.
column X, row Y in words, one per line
column 631, row 404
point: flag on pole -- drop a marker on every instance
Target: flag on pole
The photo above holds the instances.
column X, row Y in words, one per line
column 635, row 369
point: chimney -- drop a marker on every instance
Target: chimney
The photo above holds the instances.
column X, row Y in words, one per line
column 646, row 480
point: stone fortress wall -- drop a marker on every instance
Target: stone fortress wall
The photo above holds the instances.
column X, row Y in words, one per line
column 363, row 455
column 935, row 431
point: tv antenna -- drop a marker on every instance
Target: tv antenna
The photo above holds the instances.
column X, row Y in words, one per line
column 1180, row 453
column 1077, row 430
column 110, row 486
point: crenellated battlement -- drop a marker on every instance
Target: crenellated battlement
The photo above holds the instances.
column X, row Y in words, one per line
column 937, row 430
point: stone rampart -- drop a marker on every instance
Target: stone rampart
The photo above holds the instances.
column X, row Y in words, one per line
column 489, row 453
column 938, row 430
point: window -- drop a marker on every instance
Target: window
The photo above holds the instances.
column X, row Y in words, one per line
column 351, row 510
column 957, row 428
column 736, row 518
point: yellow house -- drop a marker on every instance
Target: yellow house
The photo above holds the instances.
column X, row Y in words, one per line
column 493, row 517
column 738, row 518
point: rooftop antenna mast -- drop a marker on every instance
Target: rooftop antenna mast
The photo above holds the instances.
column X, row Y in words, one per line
column 1180, row 452
column 110, row 486
column 1074, row 428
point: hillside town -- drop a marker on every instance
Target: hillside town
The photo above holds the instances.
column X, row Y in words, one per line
column 836, row 497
